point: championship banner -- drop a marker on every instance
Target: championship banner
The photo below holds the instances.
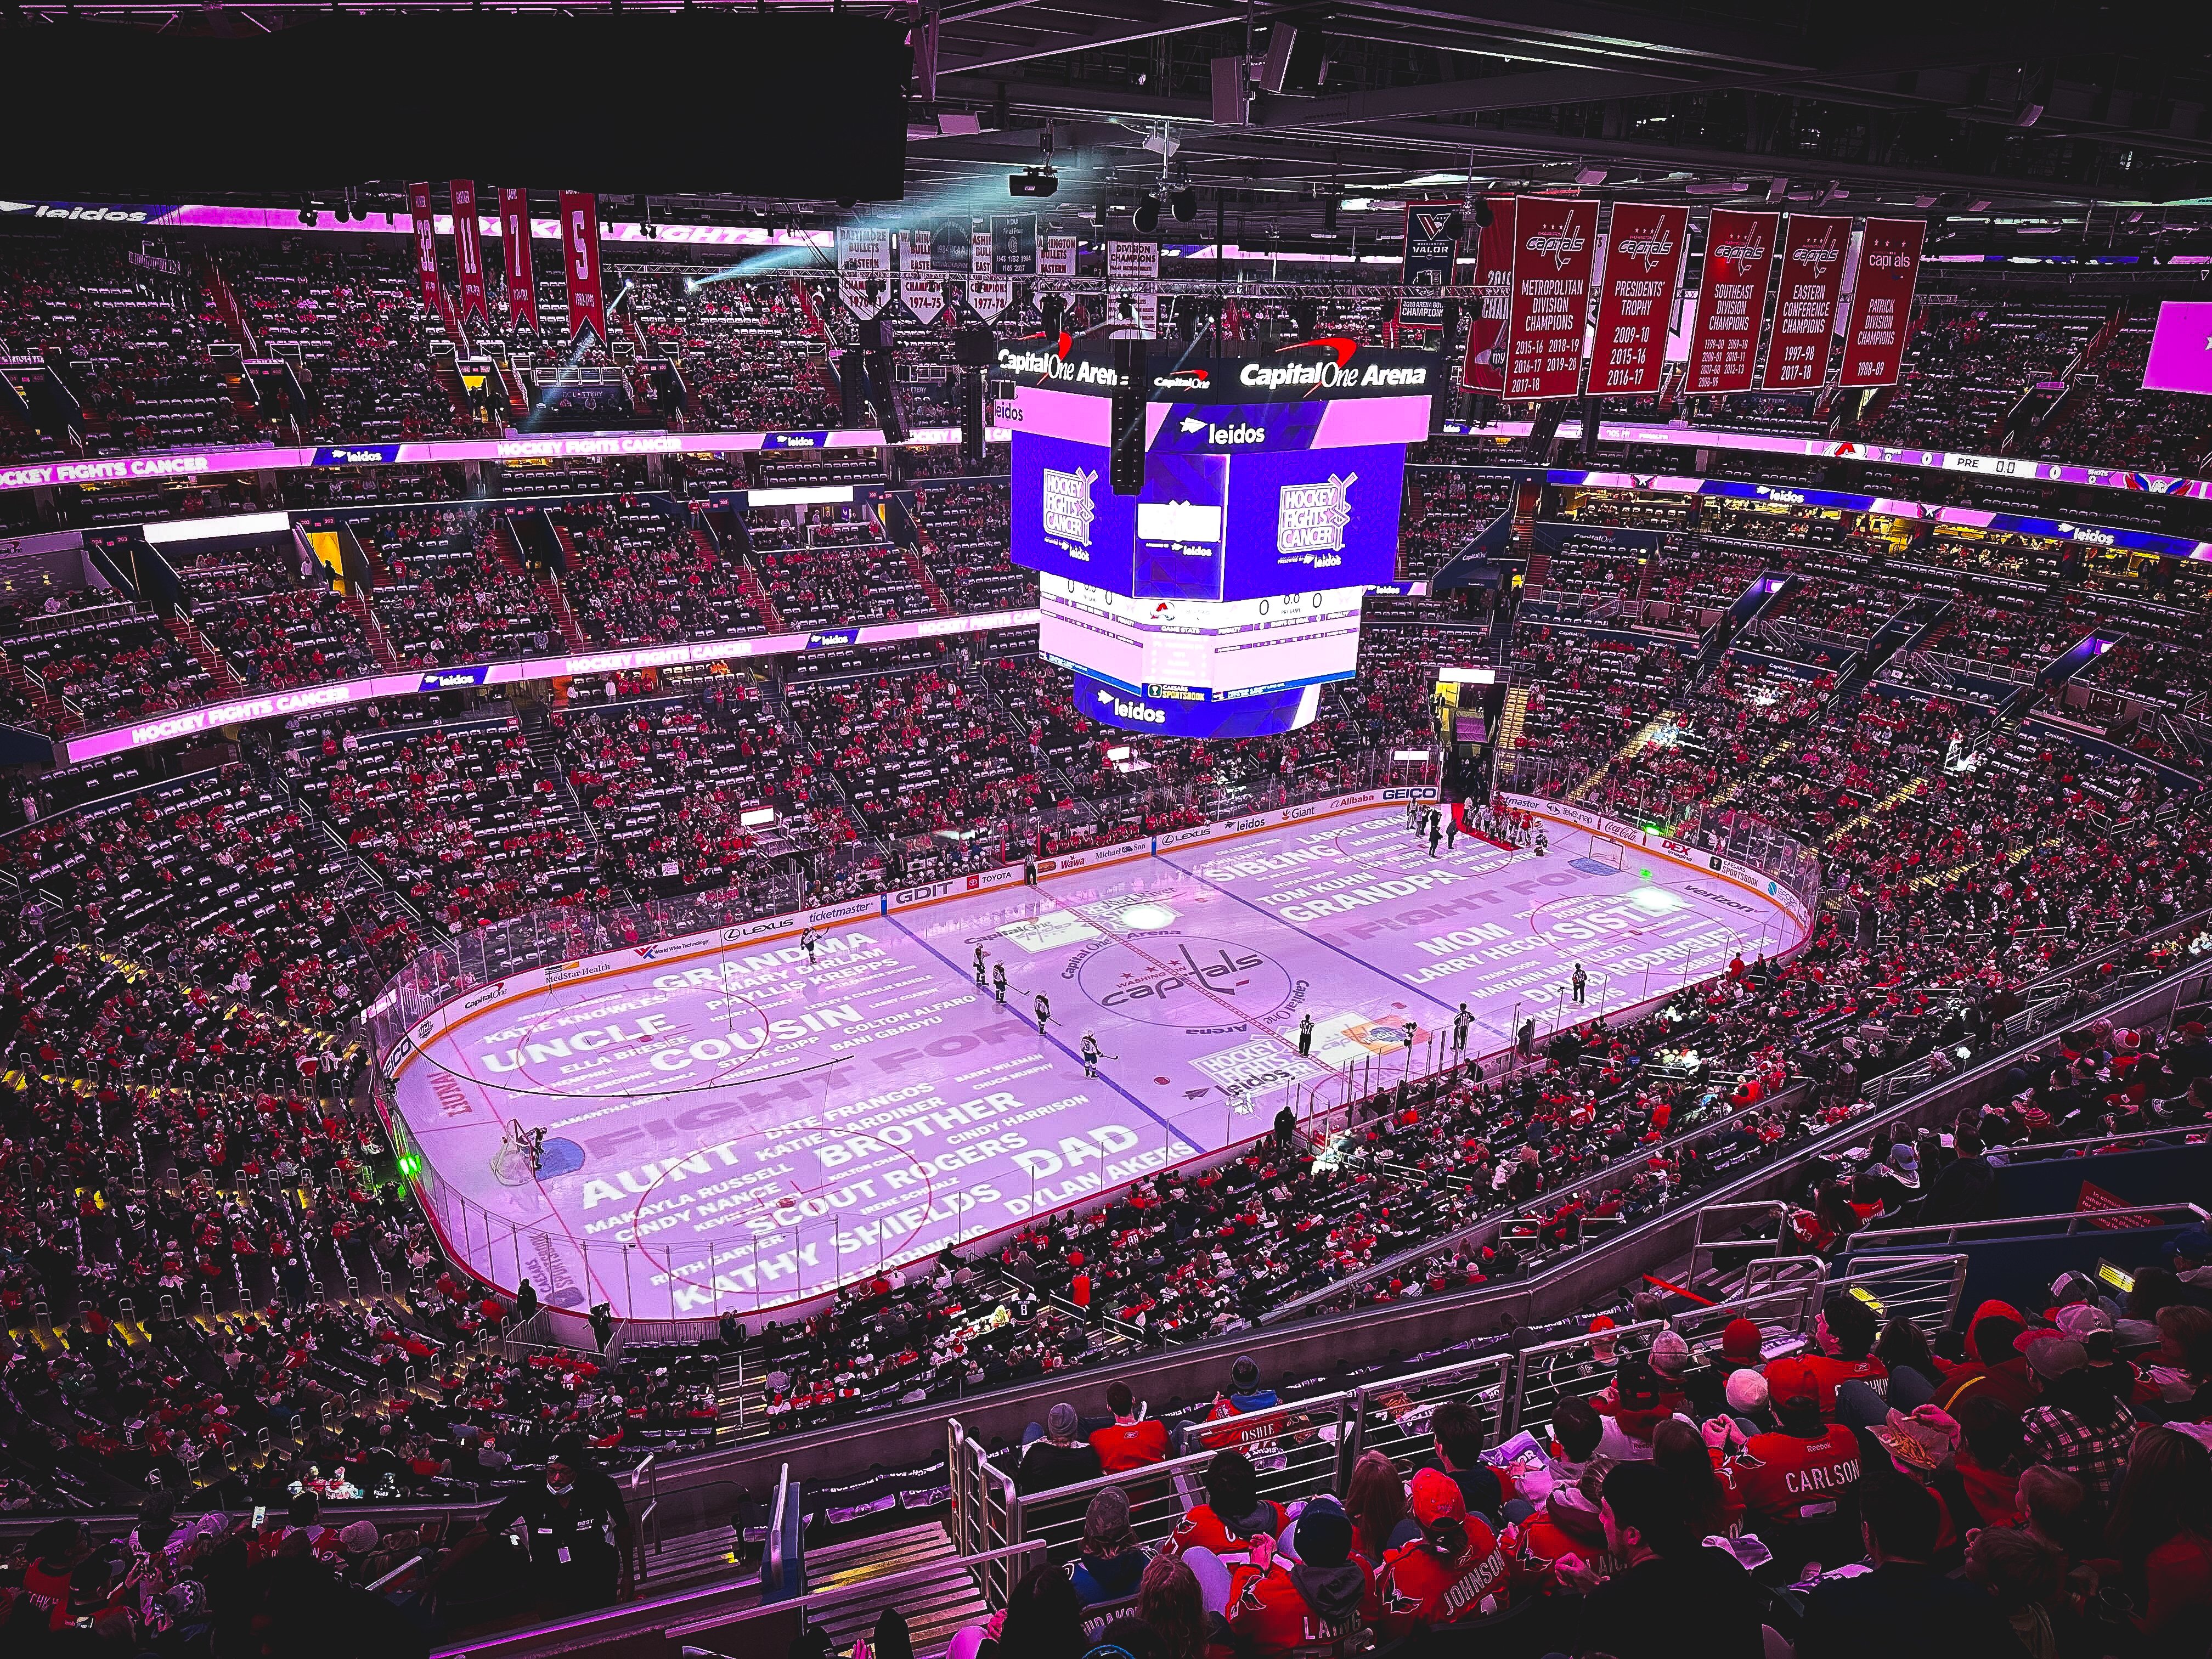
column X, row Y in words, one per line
column 514, row 246
column 579, row 255
column 1554, row 242
column 922, row 294
column 979, row 249
column 1889, row 271
column 1797, row 346
column 1132, row 285
column 1635, row 297
column 864, row 270
column 1483, row 369
column 1731, row 300
column 913, row 250
column 468, row 249
column 1056, row 257
column 424, row 224
column 1432, row 233
column 953, row 247
column 989, row 295
column 1013, row 245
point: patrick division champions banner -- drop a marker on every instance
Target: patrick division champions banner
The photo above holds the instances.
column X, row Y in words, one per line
column 1889, row 271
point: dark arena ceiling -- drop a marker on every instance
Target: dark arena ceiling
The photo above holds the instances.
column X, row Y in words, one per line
column 2010, row 126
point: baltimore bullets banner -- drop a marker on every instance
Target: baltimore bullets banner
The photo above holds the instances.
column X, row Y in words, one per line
column 864, row 270
column 514, row 246
column 468, row 249
column 424, row 223
column 579, row 256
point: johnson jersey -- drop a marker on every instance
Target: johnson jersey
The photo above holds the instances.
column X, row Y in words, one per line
column 1784, row 1480
column 1830, row 1371
column 1416, row 1586
column 1202, row 1529
column 1267, row 1614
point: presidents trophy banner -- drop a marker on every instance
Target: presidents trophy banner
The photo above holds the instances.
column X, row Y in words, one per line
column 1635, row 297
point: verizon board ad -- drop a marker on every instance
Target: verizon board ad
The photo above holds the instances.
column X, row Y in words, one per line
column 1644, row 257
column 1431, row 253
column 1731, row 300
column 1881, row 304
column 1485, row 367
column 1805, row 316
column 1554, row 246
column 425, row 225
column 514, row 249
column 468, row 250
column 579, row 253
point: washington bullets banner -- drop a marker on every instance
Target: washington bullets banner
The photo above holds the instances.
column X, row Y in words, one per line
column 1635, row 298
column 424, row 224
column 1483, row 369
column 922, row 292
column 515, row 245
column 1433, row 231
column 1731, row 299
column 1554, row 244
column 1889, row 271
column 468, row 249
column 1805, row 316
column 579, row 255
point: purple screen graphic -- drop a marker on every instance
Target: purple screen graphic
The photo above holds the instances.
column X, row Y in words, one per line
column 1301, row 519
column 1067, row 518
column 2181, row 348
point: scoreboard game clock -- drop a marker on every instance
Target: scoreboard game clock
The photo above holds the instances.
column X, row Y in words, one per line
column 1217, row 600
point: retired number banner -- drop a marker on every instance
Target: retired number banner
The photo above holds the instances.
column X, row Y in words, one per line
column 1636, row 299
column 1731, row 300
column 579, row 256
column 1554, row 246
column 468, row 249
column 1805, row 315
column 1483, row 369
column 424, row 223
column 1889, row 271
column 514, row 246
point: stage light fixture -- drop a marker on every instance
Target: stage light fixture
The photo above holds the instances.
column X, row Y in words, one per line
column 1148, row 216
column 1184, row 204
column 1033, row 180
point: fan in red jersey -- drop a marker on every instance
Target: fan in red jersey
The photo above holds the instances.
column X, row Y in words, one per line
column 1282, row 1605
column 1454, row 1571
column 1233, row 1514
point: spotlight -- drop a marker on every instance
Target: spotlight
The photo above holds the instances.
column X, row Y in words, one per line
column 1184, row 205
column 1033, row 180
column 1148, row 214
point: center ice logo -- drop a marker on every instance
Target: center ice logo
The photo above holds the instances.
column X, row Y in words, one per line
column 1312, row 518
column 1067, row 507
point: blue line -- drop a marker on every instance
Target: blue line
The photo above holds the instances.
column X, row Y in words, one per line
column 1310, row 938
column 1173, row 1132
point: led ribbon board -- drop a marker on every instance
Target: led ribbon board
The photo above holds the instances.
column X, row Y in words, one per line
column 1220, row 597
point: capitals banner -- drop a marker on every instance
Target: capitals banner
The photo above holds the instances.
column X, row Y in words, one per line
column 1635, row 298
column 1554, row 245
column 514, row 246
column 468, row 249
column 1432, row 233
column 1483, row 370
column 1889, row 271
column 424, row 223
column 579, row 256
column 1731, row 300
column 1798, row 345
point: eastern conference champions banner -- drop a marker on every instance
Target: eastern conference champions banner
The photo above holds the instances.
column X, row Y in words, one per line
column 579, row 254
column 1635, row 298
column 1889, row 271
column 1797, row 347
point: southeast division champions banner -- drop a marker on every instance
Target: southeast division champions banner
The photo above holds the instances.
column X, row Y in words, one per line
column 1731, row 300
column 1798, row 345
column 1554, row 245
column 1636, row 299
column 468, row 249
column 424, row 223
column 1881, row 304
column 579, row 257
column 1483, row 369
column 1433, row 232
column 514, row 247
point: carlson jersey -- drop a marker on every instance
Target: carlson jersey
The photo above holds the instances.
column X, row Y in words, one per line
column 1202, row 1529
column 1784, row 1480
column 1267, row 1614
column 1416, row 1586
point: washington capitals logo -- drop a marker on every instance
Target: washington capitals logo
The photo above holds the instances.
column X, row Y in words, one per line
column 1742, row 255
column 1067, row 505
column 1313, row 517
column 1817, row 257
column 1646, row 251
column 1562, row 245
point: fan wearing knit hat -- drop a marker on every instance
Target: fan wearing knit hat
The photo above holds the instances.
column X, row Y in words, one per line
column 1455, row 1570
column 1325, row 1595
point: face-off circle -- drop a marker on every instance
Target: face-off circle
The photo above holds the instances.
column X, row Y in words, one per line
column 1185, row 980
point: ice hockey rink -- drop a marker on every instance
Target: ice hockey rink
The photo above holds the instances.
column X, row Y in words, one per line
column 738, row 1128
